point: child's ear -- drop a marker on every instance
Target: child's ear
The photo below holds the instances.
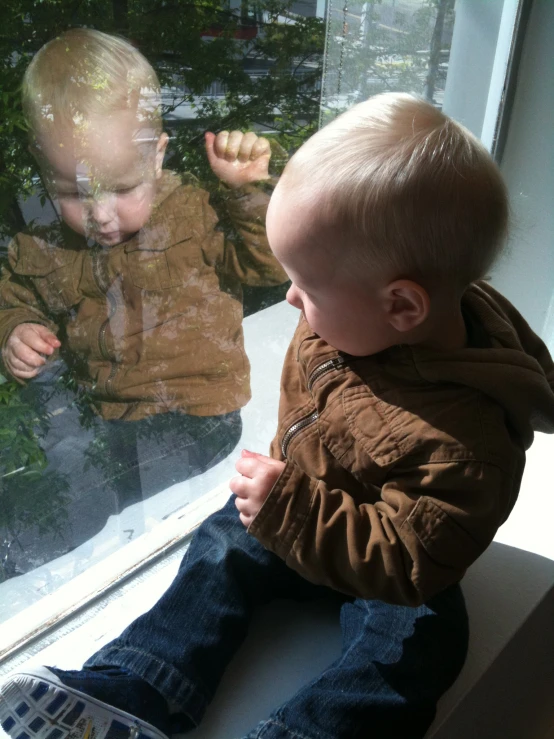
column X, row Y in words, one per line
column 407, row 305
column 161, row 146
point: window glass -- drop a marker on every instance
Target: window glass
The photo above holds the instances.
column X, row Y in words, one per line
column 125, row 281
column 136, row 277
column 376, row 46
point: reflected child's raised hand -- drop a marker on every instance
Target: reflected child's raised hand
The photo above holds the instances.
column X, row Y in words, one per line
column 258, row 475
column 238, row 158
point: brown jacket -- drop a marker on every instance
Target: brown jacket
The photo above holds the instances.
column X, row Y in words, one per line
column 401, row 466
column 156, row 322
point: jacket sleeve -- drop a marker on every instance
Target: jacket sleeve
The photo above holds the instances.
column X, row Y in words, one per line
column 247, row 258
column 19, row 302
column 430, row 524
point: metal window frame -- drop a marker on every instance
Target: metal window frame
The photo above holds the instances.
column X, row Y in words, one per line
column 504, row 75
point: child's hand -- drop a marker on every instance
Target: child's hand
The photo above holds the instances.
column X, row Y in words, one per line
column 238, row 158
column 24, row 349
column 258, row 474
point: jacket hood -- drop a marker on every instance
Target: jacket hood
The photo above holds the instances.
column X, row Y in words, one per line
column 506, row 360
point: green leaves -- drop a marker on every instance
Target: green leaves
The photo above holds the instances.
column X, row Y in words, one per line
column 19, row 424
column 30, row 495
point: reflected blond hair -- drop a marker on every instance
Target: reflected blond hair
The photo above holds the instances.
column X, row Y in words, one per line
column 84, row 73
column 419, row 194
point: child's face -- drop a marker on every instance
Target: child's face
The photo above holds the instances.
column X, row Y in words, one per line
column 348, row 315
column 103, row 173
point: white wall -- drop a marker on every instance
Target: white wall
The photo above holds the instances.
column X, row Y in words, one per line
column 471, row 61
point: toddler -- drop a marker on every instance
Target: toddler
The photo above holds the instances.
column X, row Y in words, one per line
column 409, row 395
column 139, row 287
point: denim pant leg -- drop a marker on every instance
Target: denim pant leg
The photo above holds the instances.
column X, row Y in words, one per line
column 396, row 662
column 183, row 644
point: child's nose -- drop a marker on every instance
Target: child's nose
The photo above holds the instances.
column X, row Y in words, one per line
column 293, row 297
column 103, row 210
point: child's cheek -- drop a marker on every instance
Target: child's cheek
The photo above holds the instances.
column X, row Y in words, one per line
column 135, row 213
column 73, row 214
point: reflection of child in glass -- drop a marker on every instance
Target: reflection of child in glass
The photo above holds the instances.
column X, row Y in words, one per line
column 409, row 395
column 150, row 306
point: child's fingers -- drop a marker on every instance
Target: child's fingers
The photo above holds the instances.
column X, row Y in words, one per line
column 20, row 369
column 255, row 455
column 233, row 145
column 251, row 467
column 18, row 364
column 261, row 148
column 239, row 486
column 26, row 375
column 246, row 507
column 243, row 467
column 45, row 334
column 246, row 146
column 53, row 340
column 246, row 514
column 242, row 505
column 209, row 140
column 220, row 144
column 42, row 342
column 26, row 355
column 269, row 461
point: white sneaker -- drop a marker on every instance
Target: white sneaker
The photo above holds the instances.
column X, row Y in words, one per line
column 35, row 704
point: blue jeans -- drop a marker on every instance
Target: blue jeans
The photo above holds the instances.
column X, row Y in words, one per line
column 396, row 661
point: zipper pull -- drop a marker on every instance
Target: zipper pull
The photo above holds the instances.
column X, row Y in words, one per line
column 295, row 429
column 327, row 366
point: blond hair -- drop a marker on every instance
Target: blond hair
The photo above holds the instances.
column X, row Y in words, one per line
column 418, row 192
column 84, row 72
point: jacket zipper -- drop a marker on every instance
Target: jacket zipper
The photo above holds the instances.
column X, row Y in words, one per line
column 104, row 327
column 295, row 429
column 301, row 424
column 322, row 369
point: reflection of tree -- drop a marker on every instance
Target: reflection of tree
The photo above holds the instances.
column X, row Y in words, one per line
column 387, row 50
column 444, row 12
column 120, row 10
column 269, row 79
column 31, row 497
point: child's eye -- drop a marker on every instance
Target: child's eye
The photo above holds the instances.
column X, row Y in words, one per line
column 126, row 190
